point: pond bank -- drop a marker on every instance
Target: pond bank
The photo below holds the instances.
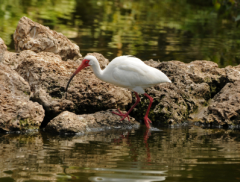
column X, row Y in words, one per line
column 44, row 60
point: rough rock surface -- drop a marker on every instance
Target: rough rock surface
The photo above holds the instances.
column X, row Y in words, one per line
column 152, row 63
column 197, row 72
column 17, row 112
column 33, row 36
column 3, row 48
column 225, row 106
column 14, row 59
column 68, row 122
column 192, row 87
column 233, row 73
column 48, row 75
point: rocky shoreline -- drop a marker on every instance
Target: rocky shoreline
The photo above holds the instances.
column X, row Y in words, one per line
column 33, row 80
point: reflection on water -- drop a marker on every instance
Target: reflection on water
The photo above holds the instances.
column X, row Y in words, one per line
column 181, row 154
column 166, row 30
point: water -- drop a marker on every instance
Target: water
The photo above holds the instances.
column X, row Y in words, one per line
column 155, row 29
column 172, row 154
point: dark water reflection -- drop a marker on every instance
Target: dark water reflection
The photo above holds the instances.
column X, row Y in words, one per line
column 156, row 29
column 182, row 154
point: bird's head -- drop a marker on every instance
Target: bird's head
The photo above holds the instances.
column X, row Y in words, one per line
column 89, row 60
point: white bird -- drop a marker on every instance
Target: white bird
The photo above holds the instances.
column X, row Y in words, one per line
column 128, row 72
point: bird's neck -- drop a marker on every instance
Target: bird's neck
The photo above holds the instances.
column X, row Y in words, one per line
column 97, row 71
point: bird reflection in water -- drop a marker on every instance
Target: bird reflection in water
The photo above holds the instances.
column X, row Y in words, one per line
column 133, row 150
column 134, row 173
column 146, row 136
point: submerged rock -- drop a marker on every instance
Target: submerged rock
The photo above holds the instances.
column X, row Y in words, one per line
column 68, row 122
column 33, row 36
column 17, row 112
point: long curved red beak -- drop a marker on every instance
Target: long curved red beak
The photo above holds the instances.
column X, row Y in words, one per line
column 83, row 65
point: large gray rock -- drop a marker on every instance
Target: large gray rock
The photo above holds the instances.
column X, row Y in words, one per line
column 48, row 75
column 33, row 36
column 17, row 112
column 68, row 122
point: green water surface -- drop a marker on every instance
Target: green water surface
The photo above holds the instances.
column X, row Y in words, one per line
column 164, row 30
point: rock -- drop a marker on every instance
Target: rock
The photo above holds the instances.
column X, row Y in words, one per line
column 33, row 36
column 3, row 48
column 224, row 107
column 186, row 98
column 173, row 102
column 68, row 122
column 12, row 59
column 152, row 63
column 48, row 75
column 17, row 112
column 168, row 106
column 198, row 72
column 233, row 73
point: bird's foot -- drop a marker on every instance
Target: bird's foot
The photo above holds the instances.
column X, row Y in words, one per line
column 122, row 115
column 147, row 121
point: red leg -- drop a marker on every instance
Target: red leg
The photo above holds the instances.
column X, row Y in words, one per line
column 146, row 119
column 126, row 115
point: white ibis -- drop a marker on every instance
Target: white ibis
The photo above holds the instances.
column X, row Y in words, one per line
column 128, row 72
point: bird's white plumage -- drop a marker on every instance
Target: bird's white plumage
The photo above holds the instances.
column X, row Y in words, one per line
column 129, row 72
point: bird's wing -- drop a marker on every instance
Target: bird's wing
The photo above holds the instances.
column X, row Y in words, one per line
column 128, row 75
column 132, row 68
